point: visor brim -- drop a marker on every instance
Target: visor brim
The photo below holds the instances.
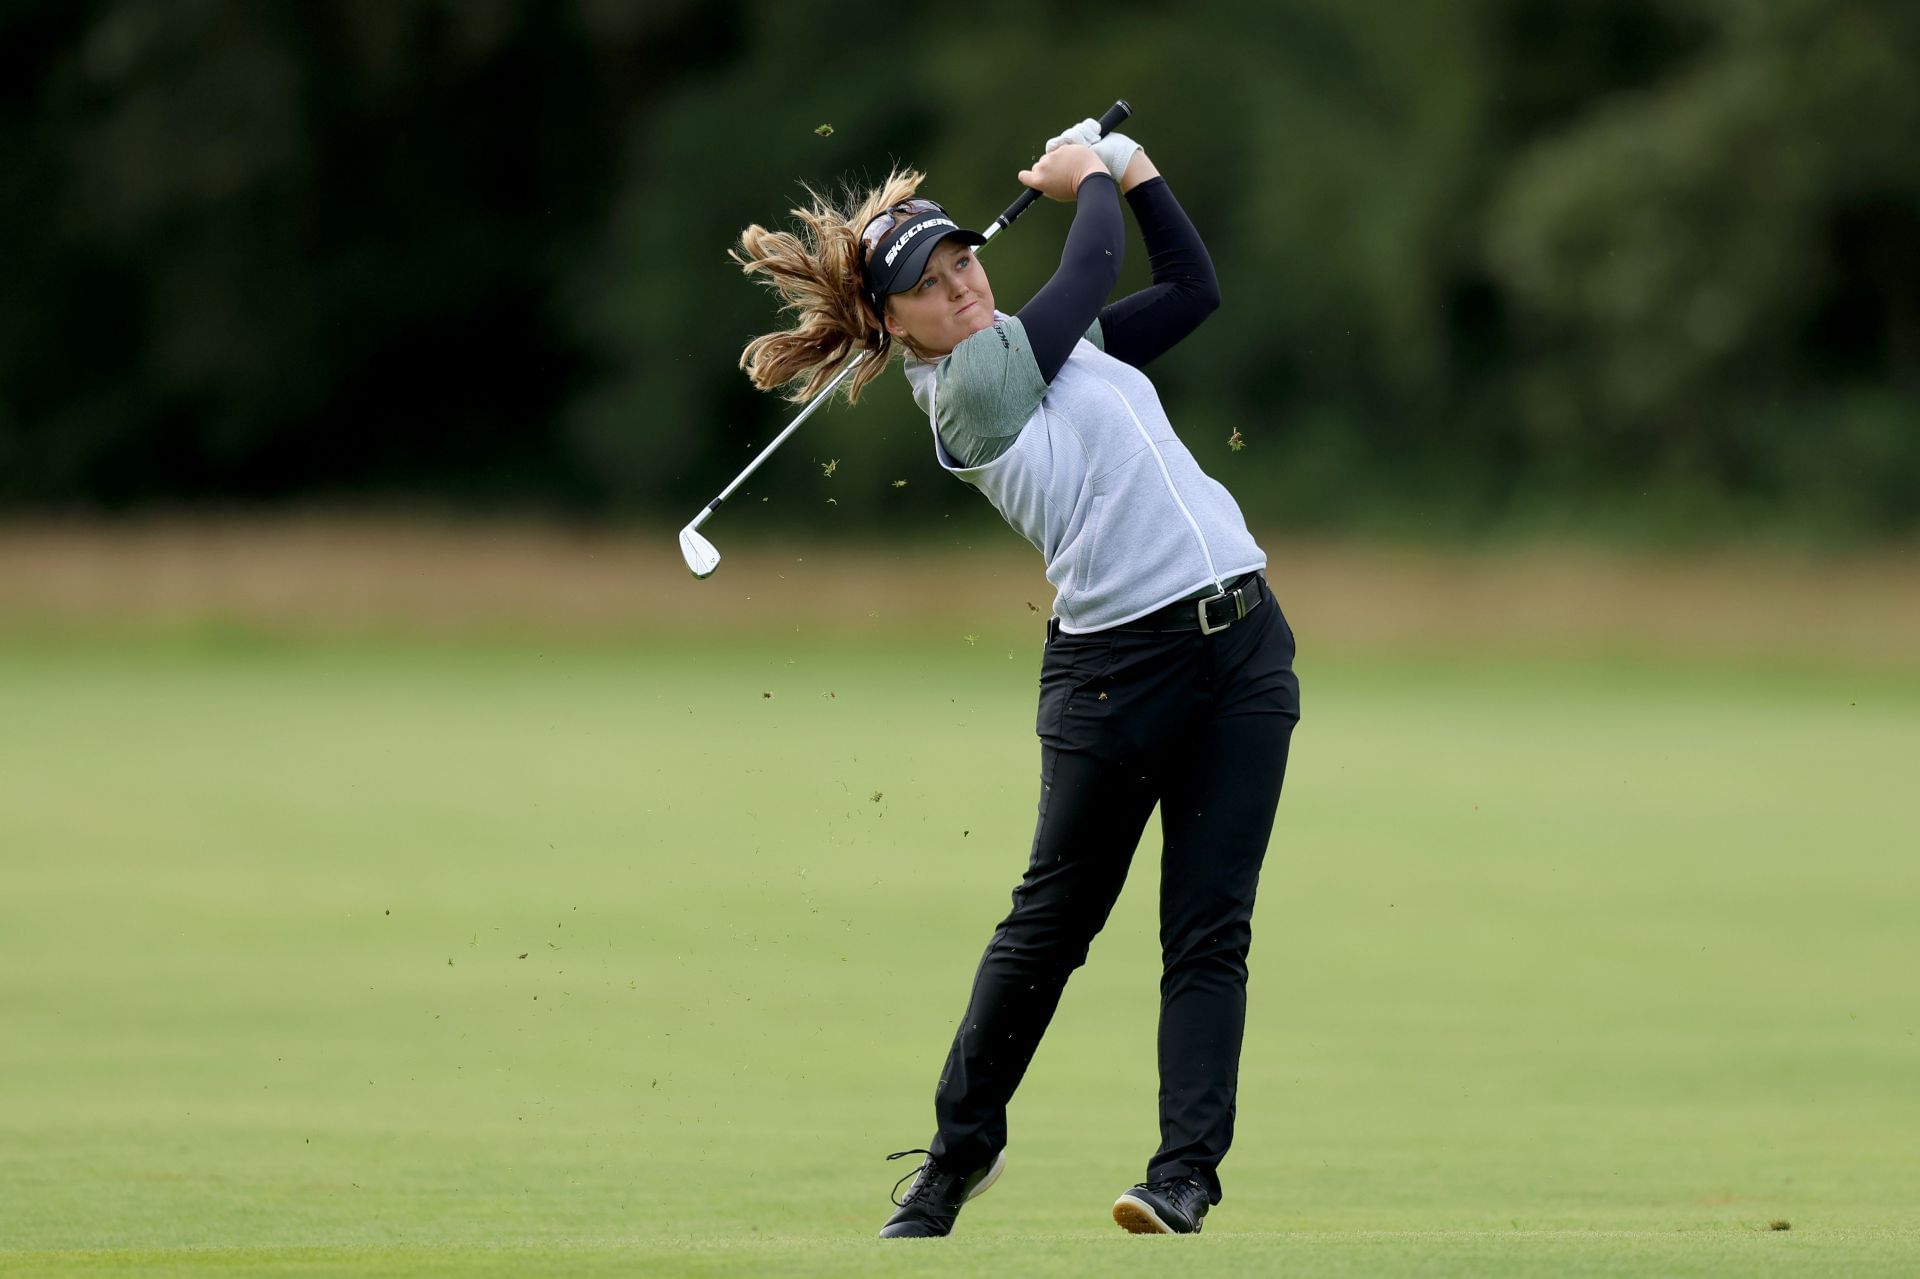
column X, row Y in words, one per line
column 912, row 262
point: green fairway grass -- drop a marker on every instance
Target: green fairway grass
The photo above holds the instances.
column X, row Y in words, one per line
column 431, row 958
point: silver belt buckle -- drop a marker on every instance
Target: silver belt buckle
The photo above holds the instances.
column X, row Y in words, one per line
column 1239, row 611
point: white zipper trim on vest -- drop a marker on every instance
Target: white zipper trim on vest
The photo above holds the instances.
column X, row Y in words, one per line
column 1205, row 551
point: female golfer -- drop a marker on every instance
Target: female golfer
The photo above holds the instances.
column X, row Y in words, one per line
column 1168, row 672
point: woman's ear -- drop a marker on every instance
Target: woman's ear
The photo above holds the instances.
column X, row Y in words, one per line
column 894, row 326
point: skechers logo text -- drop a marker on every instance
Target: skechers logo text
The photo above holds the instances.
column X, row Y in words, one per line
column 901, row 243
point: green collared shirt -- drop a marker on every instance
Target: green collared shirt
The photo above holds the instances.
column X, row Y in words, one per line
column 988, row 388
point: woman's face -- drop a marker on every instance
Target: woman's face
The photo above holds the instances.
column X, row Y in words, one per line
column 950, row 302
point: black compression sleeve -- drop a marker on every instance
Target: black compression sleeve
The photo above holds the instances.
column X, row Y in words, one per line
column 1145, row 325
column 1067, row 305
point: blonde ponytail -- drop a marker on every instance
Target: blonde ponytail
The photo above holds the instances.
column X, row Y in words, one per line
column 816, row 275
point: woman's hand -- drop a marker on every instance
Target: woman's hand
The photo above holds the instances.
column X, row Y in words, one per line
column 1124, row 158
column 1057, row 174
column 1114, row 149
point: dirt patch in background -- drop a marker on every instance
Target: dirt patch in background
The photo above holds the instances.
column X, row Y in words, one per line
column 347, row 577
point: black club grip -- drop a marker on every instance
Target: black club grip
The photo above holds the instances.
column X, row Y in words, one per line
column 1115, row 116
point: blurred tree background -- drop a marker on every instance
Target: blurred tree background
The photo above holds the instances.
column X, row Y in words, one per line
column 1641, row 267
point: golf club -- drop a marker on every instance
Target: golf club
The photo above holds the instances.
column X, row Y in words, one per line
column 699, row 553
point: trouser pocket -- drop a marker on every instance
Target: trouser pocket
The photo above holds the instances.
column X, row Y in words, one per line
column 1074, row 698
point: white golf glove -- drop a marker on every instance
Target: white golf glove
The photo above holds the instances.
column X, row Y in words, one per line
column 1115, row 150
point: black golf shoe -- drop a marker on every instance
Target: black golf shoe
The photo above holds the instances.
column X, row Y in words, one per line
column 936, row 1196
column 1176, row 1206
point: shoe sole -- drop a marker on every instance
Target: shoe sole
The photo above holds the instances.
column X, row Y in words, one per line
column 993, row 1175
column 1136, row 1216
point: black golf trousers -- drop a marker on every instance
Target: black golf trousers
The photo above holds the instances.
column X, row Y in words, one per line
column 1200, row 725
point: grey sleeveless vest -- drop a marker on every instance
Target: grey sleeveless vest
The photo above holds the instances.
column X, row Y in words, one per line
column 1099, row 483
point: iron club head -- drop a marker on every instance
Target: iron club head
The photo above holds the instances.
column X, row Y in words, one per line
column 698, row 552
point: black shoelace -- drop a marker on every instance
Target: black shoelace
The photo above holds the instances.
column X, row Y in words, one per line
column 1179, row 1189
column 926, row 1167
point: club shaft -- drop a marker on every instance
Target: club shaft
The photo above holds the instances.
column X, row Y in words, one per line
column 781, row 438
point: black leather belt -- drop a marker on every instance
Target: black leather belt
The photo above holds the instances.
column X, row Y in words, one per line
column 1214, row 611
